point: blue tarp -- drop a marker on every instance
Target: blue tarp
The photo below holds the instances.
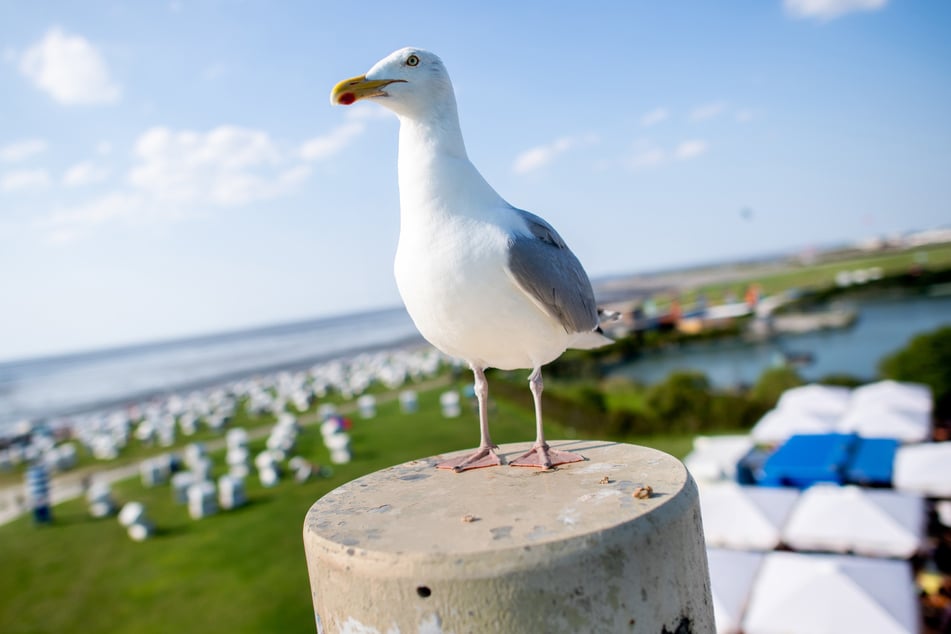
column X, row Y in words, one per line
column 806, row 459
column 872, row 462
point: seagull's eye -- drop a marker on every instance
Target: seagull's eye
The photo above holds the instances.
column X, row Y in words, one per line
column 412, row 60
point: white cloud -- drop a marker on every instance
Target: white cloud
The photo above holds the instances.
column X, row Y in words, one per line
column 24, row 179
column 70, row 224
column 22, row 150
column 690, row 149
column 830, row 9
column 541, row 155
column 707, row 111
column 103, row 148
column 325, row 146
column 647, row 155
column 744, row 114
column 85, row 173
column 295, row 175
column 70, row 69
column 654, row 117
column 177, row 174
column 226, row 166
column 99, row 210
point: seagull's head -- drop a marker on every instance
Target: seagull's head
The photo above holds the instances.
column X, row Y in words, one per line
column 411, row 82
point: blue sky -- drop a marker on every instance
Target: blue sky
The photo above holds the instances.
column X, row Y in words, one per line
column 172, row 168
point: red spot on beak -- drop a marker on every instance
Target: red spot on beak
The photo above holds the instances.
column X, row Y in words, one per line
column 347, row 98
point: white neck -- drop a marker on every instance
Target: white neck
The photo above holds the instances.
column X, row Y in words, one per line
column 435, row 174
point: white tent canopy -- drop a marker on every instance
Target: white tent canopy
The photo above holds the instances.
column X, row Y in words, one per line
column 827, row 401
column 744, row 517
column 871, row 420
column 876, row 523
column 732, row 573
column 886, row 409
column 715, row 457
column 781, row 423
column 831, row 594
column 911, row 397
column 924, row 469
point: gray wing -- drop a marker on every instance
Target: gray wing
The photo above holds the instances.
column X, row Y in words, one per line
column 546, row 269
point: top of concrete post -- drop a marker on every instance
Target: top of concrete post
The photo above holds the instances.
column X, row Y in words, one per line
column 508, row 549
column 414, row 509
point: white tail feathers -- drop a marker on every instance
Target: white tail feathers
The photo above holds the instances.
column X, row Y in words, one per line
column 588, row 340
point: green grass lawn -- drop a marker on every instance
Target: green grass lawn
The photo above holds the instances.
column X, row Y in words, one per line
column 238, row 571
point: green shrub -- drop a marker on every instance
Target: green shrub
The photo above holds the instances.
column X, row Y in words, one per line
column 926, row 359
column 733, row 411
column 575, row 364
column 772, row 383
column 682, row 401
column 841, row 380
column 585, row 413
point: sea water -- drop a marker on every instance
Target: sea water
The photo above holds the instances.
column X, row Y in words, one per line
column 37, row 389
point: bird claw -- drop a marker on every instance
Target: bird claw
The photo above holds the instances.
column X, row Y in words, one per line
column 544, row 457
column 483, row 457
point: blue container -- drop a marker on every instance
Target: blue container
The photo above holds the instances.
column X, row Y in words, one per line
column 872, row 462
column 808, row 459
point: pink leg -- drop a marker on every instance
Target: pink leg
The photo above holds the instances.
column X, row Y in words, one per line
column 485, row 455
column 541, row 455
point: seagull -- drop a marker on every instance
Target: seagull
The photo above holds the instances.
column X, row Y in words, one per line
column 483, row 281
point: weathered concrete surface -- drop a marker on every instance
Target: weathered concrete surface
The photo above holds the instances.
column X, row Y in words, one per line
column 413, row 549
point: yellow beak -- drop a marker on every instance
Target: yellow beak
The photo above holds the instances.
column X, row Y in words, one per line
column 350, row 90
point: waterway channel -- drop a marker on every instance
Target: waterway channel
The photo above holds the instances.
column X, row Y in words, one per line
column 884, row 325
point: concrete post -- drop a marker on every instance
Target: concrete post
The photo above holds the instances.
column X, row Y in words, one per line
column 582, row 548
